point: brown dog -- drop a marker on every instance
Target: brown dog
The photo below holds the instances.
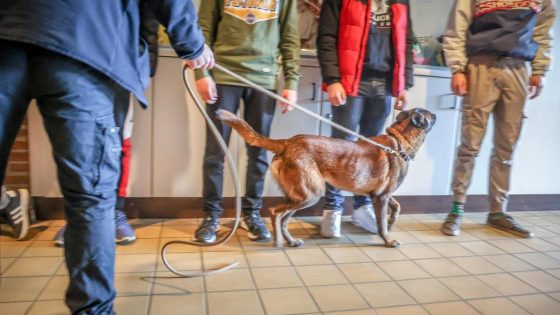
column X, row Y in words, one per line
column 304, row 163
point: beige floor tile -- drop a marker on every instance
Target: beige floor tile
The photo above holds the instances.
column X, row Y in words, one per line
column 48, row 234
column 231, row 280
column 313, row 256
column 507, row 284
column 169, row 283
column 55, row 307
column 337, row 298
column 446, row 308
column 346, row 255
column 451, row 250
column 555, row 254
column 434, row 224
column 132, row 304
column 214, row 260
column 554, row 272
column 177, row 248
column 321, row 275
column 366, row 239
column 276, row 277
column 234, row 244
column 178, row 231
column 273, row 258
column 488, row 233
column 148, row 231
column 354, row 312
column 511, row 246
column 482, row 248
column 404, row 237
column 234, row 303
column 409, row 310
column 418, row 251
column 180, row 261
column 21, row 289
column 5, row 263
column 412, row 225
column 363, row 272
column 129, row 284
column 540, row 280
column 545, row 231
column 539, row 244
column 136, row 262
column 348, row 228
column 13, row 249
column 403, row 270
column 431, row 236
column 378, row 253
column 555, row 295
column 247, row 244
column 428, row 291
column 33, row 266
column 554, row 240
column 538, row 304
column 469, row 287
column 441, row 267
column 177, row 304
column 138, row 223
column 509, row 263
column 341, row 241
column 287, row 301
column 55, row 289
column 18, row 308
column 540, row 260
column 140, row 246
column 476, row 265
column 384, row 294
column 43, row 249
column 194, row 221
column 465, row 236
column 497, row 306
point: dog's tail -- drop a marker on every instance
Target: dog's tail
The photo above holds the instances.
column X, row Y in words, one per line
column 249, row 134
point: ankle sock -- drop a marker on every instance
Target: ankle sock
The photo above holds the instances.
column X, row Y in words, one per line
column 457, row 208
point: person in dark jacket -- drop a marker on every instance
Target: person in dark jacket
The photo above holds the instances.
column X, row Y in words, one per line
column 77, row 59
column 365, row 54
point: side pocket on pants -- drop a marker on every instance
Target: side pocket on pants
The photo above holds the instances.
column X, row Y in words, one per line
column 108, row 158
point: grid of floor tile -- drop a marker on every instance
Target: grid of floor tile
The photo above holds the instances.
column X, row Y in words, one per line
column 482, row 271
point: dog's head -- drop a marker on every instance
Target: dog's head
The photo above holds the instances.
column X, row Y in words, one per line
column 417, row 118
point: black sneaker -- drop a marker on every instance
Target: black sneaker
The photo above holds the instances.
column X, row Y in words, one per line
column 452, row 224
column 206, row 231
column 507, row 223
column 17, row 212
column 256, row 228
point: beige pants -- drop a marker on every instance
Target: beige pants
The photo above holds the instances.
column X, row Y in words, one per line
column 498, row 86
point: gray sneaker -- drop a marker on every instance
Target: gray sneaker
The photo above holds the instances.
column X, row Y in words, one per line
column 452, row 224
column 507, row 223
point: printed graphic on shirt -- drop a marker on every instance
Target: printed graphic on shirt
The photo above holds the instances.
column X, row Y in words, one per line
column 380, row 13
column 486, row 6
column 252, row 11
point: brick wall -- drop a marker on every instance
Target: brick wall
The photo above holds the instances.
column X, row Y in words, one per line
column 17, row 175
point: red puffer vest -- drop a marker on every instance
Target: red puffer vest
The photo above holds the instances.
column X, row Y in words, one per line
column 353, row 35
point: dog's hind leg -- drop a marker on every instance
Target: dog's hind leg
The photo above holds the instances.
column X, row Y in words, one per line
column 381, row 204
column 294, row 242
column 395, row 207
column 276, row 216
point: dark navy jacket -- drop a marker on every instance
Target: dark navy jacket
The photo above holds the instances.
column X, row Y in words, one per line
column 102, row 33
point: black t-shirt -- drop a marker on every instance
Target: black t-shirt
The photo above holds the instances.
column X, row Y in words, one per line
column 378, row 61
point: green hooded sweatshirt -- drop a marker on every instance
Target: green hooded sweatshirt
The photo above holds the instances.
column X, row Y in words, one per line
column 254, row 38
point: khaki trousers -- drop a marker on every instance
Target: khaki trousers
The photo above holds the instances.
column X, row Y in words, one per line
column 497, row 86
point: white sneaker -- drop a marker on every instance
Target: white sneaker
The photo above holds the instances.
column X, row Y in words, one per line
column 364, row 218
column 330, row 227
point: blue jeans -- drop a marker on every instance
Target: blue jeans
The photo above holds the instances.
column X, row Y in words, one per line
column 77, row 105
column 365, row 113
column 259, row 111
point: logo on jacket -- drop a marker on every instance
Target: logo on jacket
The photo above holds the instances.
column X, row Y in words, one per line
column 380, row 13
column 252, row 11
column 487, row 6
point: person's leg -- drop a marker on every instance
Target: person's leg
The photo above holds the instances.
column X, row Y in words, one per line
column 4, row 199
column 229, row 97
column 483, row 94
column 508, row 117
column 77, row 105
column 259, row 111
column 14, row 101
column 348, row 116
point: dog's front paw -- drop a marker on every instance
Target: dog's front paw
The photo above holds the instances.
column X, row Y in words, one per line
column 392, row 244
column 279, row 244
column 296, row 243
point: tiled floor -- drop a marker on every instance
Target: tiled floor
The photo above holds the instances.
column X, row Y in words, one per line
column 482, row 271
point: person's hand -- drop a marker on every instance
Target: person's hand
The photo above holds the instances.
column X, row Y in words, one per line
column 402, row 100
column 206, row 87
column 535, row 86
column 291, row 96
column 337, row 94
column 204, row 61
column 459, row 84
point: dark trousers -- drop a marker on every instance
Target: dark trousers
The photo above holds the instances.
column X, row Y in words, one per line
column 366, row 114
column 77, row 104
column 259, row 110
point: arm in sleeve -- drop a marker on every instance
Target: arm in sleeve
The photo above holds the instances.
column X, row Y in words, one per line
column 408, row 68
column 543, row 37
column 455, row 36
column 327, row 41
column 290, row 45
column 209, row 16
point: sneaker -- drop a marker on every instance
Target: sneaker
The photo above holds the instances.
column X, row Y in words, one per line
column 452, row 224
column 59, row 237
column 330, row 227
column 256, row 228
column 507, row 223
column 364, row 218
column 124, row 232
column 17, row 212
column 207, row 230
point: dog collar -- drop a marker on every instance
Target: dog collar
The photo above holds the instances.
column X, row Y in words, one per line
column 401, row 152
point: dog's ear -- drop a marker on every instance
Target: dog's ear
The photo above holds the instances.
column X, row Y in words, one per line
column 419, row 120
column 402, row 116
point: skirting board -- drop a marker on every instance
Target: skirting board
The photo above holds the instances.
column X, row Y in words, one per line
column 167, row 207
